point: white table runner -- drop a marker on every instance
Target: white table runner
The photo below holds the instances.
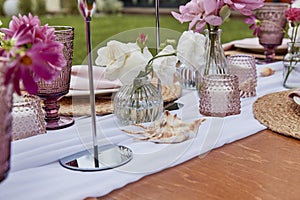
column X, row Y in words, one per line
column 36, row 174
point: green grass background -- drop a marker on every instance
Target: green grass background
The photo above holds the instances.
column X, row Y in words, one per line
column 104, row 27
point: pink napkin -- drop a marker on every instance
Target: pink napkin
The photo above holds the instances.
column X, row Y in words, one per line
column 80, row 80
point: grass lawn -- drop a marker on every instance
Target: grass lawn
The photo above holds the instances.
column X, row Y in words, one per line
column 104, row 27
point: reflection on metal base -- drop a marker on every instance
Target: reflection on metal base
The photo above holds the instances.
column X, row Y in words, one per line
column 110, row 156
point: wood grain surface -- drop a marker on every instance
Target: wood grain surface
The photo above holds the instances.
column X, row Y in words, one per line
column 265, row 165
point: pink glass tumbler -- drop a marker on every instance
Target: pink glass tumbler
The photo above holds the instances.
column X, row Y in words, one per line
column 219, row 95
column 50, row 93
column 5, row 125
column 244, row 67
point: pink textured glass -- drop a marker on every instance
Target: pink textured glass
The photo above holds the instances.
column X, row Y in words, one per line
column 244, row 67
column 219, row 95
column 5, row 125
column 273, row 22
column 28, row 117
column 51, row 92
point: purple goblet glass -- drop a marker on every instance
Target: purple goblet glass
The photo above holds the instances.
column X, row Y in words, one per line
column 273, row 22
column 50, row 93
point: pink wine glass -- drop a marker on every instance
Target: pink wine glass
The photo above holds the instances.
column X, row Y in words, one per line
column 273, row 22
column 50, row 93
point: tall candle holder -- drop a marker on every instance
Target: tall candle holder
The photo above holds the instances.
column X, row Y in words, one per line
column 107, row 156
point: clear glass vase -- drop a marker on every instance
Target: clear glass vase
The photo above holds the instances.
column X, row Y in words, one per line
column 291, row 70
column 216, row 62
column 5, row 125
column 138, row 102
column 187, row 76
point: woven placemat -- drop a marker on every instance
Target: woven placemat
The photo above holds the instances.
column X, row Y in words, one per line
column 279, row 113
column 79, row 106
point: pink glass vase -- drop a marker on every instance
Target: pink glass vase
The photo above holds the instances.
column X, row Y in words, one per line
column 5, row 125
column 51, row 92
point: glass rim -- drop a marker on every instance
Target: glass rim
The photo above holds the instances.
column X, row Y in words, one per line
column 270, row 5
column 221, row 77
column 61, row 28
column 241, row 57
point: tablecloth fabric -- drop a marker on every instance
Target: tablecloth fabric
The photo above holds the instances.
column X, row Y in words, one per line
column 36, row 174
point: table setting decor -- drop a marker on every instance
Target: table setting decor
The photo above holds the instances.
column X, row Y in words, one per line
column 292, row 58
column 210, row 15
column 271, row 28
column 244, row 67
column 28, row 117
column 219, row 95
column 121, row 156
column 279, row 112
column 104, row 156
column 138, row 100
column 44, row 165
column 34, row 55
column 50, row 93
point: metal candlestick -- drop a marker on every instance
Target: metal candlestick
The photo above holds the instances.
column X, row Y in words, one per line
column 157, row 26
column 108, row 156
column 157, row 37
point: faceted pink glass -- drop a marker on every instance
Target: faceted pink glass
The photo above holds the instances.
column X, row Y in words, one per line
column 273, row 23
column 219, row 95
column 51, row 92
column 5, row 126
column 28, row 117
column 244, row 67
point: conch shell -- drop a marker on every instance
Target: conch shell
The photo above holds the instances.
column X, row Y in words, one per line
column 169, row 129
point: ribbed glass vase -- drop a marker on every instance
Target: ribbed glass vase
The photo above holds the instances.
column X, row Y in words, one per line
column 138, row 102
column 216, row 62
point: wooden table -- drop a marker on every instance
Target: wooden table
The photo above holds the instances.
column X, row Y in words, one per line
column 263, row 166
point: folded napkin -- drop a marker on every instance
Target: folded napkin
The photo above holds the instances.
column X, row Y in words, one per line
column 252, row 44
column 294, row 93
column 80, row 78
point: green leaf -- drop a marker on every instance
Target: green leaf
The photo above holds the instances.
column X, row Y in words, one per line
column 225, row 12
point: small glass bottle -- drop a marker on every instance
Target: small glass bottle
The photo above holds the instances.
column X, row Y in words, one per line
column 291, row 70
column 216, row 62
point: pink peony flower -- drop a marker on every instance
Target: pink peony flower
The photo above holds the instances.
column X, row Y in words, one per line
column 199, row 13
column 213, row 12
column 293, row 15
column 32, row 53
column 245, row 7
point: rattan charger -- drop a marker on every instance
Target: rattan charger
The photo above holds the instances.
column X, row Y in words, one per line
column 279, row 113
column 80, row 106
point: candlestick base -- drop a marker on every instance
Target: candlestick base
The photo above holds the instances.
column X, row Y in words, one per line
column 109, row 157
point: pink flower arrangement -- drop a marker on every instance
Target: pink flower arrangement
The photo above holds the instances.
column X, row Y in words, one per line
column 293, row 15
column 30, row 53
column 212, row 13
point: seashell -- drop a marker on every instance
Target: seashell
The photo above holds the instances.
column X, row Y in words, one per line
column 169, row 129
column 266, row 71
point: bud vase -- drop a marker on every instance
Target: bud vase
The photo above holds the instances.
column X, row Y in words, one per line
column 138, row 102
column 291, row 61
column 216, row 62
column 5, row 125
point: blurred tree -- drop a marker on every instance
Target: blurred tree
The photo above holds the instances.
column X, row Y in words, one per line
column 1, row 7
column 70, row 6
column 25, row 6
column 40, row 7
